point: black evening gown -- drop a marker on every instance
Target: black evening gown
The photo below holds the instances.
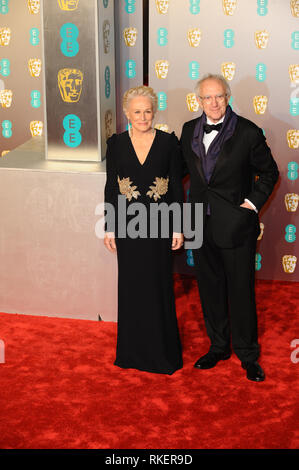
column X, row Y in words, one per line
column 147, row 337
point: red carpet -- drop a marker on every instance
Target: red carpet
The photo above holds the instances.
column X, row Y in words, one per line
column 60, row 389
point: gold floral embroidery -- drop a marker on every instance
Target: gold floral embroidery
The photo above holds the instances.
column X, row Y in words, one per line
column 160, row 188
column 126, row 188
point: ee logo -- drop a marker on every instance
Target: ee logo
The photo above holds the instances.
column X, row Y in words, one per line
column 162, row 101
column 69, row 45
column 4, row 7
column 162, row 36
column 290, row 236
column 72, row 125
column 295, row 40
column 292, row 171
column 105, row 3
column 6, row 129
column 34, row 36
column 258, row 262
column 107, row 82
column 190, row 260
column 194, row 70
column 130, row 68
column 262, row 9
column 194, row 7
column 35, row 99
column 260, row 72
column 130, row 6
column 294, row 106
column 229, row 35
column 4, row 67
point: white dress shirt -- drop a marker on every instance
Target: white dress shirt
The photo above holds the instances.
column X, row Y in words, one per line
column 208, row 139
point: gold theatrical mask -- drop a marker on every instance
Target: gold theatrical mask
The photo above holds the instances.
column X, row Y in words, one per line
column 106, row 36
column 229, row 7
column 228, row 70
column 4, row 152
column 35, row 67
column 130, row 36
column 162, row 6
column 5, row 98
column 192, row 102
column 262, row 228
column 70, row 84
column 33, row 6
column 294, row 4
column 291, row 202
column 194, row 37
column 289, row 263
column 261, row 39
column 161, row 68
column 5, row 35
column 68, row 5
column 293, row 138
column 260, row 104
column 294, row 73
column 108, row 124
column 162, row 127
column 36, row 128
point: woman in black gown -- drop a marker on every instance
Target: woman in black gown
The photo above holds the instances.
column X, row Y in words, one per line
column 143, row 165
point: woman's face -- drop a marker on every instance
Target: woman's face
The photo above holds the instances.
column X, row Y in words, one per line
column 140, row 113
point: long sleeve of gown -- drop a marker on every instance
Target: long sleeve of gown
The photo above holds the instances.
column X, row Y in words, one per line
column 111, row 187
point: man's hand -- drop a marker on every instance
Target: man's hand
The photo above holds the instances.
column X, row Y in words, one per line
column 177, row 241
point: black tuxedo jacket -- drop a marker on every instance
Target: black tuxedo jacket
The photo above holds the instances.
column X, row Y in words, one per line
column 245, row 168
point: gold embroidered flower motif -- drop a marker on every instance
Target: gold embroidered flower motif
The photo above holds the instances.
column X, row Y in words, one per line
column 160, row 188
column 126, row 188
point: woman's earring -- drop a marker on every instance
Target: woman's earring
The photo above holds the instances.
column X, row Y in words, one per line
column 129, row 127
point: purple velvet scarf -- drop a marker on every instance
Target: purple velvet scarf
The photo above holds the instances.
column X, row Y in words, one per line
column 209, row 160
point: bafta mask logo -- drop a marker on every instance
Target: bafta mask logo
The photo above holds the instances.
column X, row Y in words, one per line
column 4, row 152
column 70, row 84
column 293, row 138
column 294, row 73
column 106, row 36
column 5, row 98
column 228, row 70
column 35, row 67
column 5, row 35
column 162, row 127
column 192, row 102
column 260, row 104
column 289, row 263
column 291, row 202
column 161, row 68
column 261, row 39
column 162, row 6
column 194, row 37
column 130, row 36
column 36, row 128
column 294, row 4
column 33, row 6
column 262, row 228
column 108, row 124
column 68, row 5
column 229, row 7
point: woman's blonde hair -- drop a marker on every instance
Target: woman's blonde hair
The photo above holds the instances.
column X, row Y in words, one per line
column 140, row 91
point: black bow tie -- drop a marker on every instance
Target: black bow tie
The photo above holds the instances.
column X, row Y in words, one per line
column 212, row 127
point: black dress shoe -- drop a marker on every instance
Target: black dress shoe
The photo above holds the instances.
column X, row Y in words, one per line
column 209, row 360
column 254, row 371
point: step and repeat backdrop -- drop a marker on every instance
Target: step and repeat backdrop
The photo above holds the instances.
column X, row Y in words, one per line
column 57, row 76
column 255, row 46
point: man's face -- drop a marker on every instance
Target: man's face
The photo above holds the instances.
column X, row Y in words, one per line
column 212, row 99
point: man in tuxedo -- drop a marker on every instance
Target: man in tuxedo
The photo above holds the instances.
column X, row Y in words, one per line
column 232, row 172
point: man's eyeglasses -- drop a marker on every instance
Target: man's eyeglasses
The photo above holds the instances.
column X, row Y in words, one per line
column 209, row 99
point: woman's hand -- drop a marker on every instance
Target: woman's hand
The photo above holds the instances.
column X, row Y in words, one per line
column 177, row 241
column 109, row 241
